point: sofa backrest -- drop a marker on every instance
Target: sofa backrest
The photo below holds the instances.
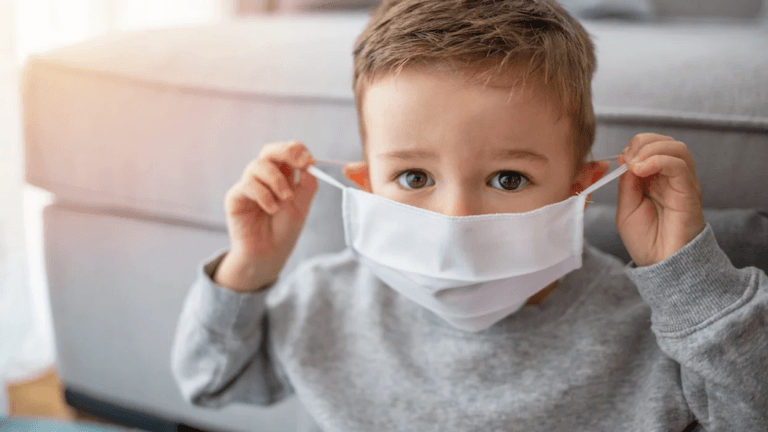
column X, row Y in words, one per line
column 660, row 9
column 162, row 123
column 740, row 9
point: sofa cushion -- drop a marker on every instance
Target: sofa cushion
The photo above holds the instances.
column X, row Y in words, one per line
column 741, row 233
column 280, row 56
column 117, row 286
column 712, row 9
column 633, row 10
column 163, row 121
column 704, row 84
column 326, row 5
column 589, row 9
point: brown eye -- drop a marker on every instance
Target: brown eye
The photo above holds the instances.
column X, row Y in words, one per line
column 414, row 179
column 509, row 180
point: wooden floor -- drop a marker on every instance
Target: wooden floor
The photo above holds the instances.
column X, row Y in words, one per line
column 43, row 397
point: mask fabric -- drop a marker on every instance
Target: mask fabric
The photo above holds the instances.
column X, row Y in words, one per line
column 471, row 271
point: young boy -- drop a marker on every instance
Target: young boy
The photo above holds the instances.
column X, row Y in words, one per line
column 470, row 108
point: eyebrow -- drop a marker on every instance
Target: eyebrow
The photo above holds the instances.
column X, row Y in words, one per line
column 505, row 154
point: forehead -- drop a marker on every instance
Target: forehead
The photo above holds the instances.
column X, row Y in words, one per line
column 449, row 112
column 516, row 79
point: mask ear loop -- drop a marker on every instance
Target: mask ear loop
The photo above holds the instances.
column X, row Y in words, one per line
column 598, row 184
column 315, row 171
column 605, row 179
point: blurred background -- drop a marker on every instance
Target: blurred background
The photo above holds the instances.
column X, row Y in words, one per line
column 28, row 27
column 693, row 69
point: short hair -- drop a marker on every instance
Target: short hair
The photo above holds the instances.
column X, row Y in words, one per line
column 485, row 38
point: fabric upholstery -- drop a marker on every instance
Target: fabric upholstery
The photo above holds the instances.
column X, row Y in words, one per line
column 631, row 10
column 164, row 121
column 325, row 5
column 713, row 9
column 741, row 233
column 140, row 135
column 117, row 284
column 587, row 9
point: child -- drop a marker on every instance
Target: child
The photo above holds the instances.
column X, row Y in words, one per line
column 465, row 300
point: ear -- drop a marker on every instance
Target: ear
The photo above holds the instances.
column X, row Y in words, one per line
column 357, row 172
column 587, row 174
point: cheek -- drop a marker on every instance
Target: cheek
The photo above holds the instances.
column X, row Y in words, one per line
column 378, row 180
column 595, row 177
column 558, row 192
column 517, row 202
column 383, row 186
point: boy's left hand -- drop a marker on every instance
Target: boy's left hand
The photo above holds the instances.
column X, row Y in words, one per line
column 660, row 204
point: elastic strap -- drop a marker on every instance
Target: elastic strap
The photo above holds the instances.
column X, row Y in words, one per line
column 325, row 177
column 598, row 184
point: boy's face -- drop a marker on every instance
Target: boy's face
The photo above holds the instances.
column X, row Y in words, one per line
column 437, row 142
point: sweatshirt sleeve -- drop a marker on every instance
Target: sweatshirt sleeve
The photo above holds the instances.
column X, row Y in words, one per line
column 221, row 352
column 713, row 320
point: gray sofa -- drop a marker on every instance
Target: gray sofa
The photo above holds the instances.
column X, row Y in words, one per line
column 138, row 136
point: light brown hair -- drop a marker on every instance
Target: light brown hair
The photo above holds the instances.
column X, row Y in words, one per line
column 486, row 39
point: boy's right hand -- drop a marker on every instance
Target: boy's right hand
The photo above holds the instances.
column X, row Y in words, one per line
column 266, row 212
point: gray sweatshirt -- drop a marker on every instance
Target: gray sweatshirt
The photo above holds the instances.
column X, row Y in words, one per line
column 613, row 348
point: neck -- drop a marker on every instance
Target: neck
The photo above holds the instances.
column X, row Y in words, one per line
column 539, row 297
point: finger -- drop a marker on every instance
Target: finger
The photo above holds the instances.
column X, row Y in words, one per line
column 669, row 148
column 674, row 169
column 641, row 140
column 267, row 172
column 260, row 194
column 305, row 192
column 290, row 156
column 292, row 153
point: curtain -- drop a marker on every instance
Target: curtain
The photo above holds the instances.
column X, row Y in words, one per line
column 27, row 344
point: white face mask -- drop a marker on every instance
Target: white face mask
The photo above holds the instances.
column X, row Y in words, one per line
column 472, row 271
